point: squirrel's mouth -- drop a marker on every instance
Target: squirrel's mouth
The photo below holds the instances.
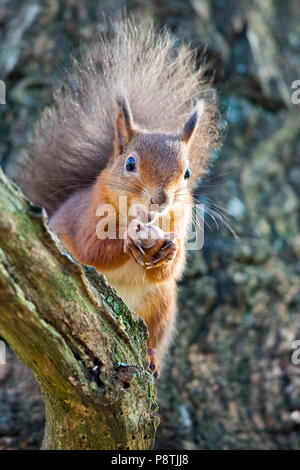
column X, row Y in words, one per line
column 149, row 213
column 162, row 209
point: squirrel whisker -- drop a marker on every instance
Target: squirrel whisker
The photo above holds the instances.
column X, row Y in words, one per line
column 68, row 187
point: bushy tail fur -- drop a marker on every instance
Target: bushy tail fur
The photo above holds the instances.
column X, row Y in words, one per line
column 74, row 139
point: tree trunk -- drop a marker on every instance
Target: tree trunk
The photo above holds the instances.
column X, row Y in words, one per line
column 86, row 350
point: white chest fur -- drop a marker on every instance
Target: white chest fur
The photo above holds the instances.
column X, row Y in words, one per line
column 129, row 281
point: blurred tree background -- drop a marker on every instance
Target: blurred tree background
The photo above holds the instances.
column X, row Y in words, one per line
column 229, row 382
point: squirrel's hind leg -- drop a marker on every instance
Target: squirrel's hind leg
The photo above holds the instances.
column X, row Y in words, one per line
column 159, row 312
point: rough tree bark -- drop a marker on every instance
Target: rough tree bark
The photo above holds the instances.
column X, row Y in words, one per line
column 69, row 327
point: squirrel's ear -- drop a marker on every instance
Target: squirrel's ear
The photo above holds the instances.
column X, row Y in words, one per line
column 191, row 123
column 124, row 130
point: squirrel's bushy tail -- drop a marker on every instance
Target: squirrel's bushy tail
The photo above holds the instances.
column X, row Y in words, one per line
column 74, row 139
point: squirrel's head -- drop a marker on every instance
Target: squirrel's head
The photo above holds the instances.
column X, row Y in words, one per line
column 151, row 169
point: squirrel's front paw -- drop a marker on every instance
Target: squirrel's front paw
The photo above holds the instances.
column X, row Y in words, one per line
column 134, row 249
column 165, row 254
column 133, row 242
column 148, row 245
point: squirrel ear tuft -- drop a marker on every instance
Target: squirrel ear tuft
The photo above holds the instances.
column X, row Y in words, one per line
column 124, row 130
column 191, row 123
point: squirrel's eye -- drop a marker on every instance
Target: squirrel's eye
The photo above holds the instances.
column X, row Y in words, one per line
column 187, row 174
column 130, row 164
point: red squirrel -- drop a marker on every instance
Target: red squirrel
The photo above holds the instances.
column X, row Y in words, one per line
column 126, row 123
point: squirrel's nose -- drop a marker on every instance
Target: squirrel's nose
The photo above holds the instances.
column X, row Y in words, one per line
column 160, row 198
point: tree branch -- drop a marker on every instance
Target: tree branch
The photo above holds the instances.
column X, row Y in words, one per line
column 86, row 350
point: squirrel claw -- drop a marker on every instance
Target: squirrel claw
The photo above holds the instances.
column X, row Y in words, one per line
column 135, row 251
column 151, row 364
column 140, row 248
column 166, row 254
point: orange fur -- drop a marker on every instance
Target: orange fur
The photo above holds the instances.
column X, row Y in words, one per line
column 150, row 292
column 84, row 141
